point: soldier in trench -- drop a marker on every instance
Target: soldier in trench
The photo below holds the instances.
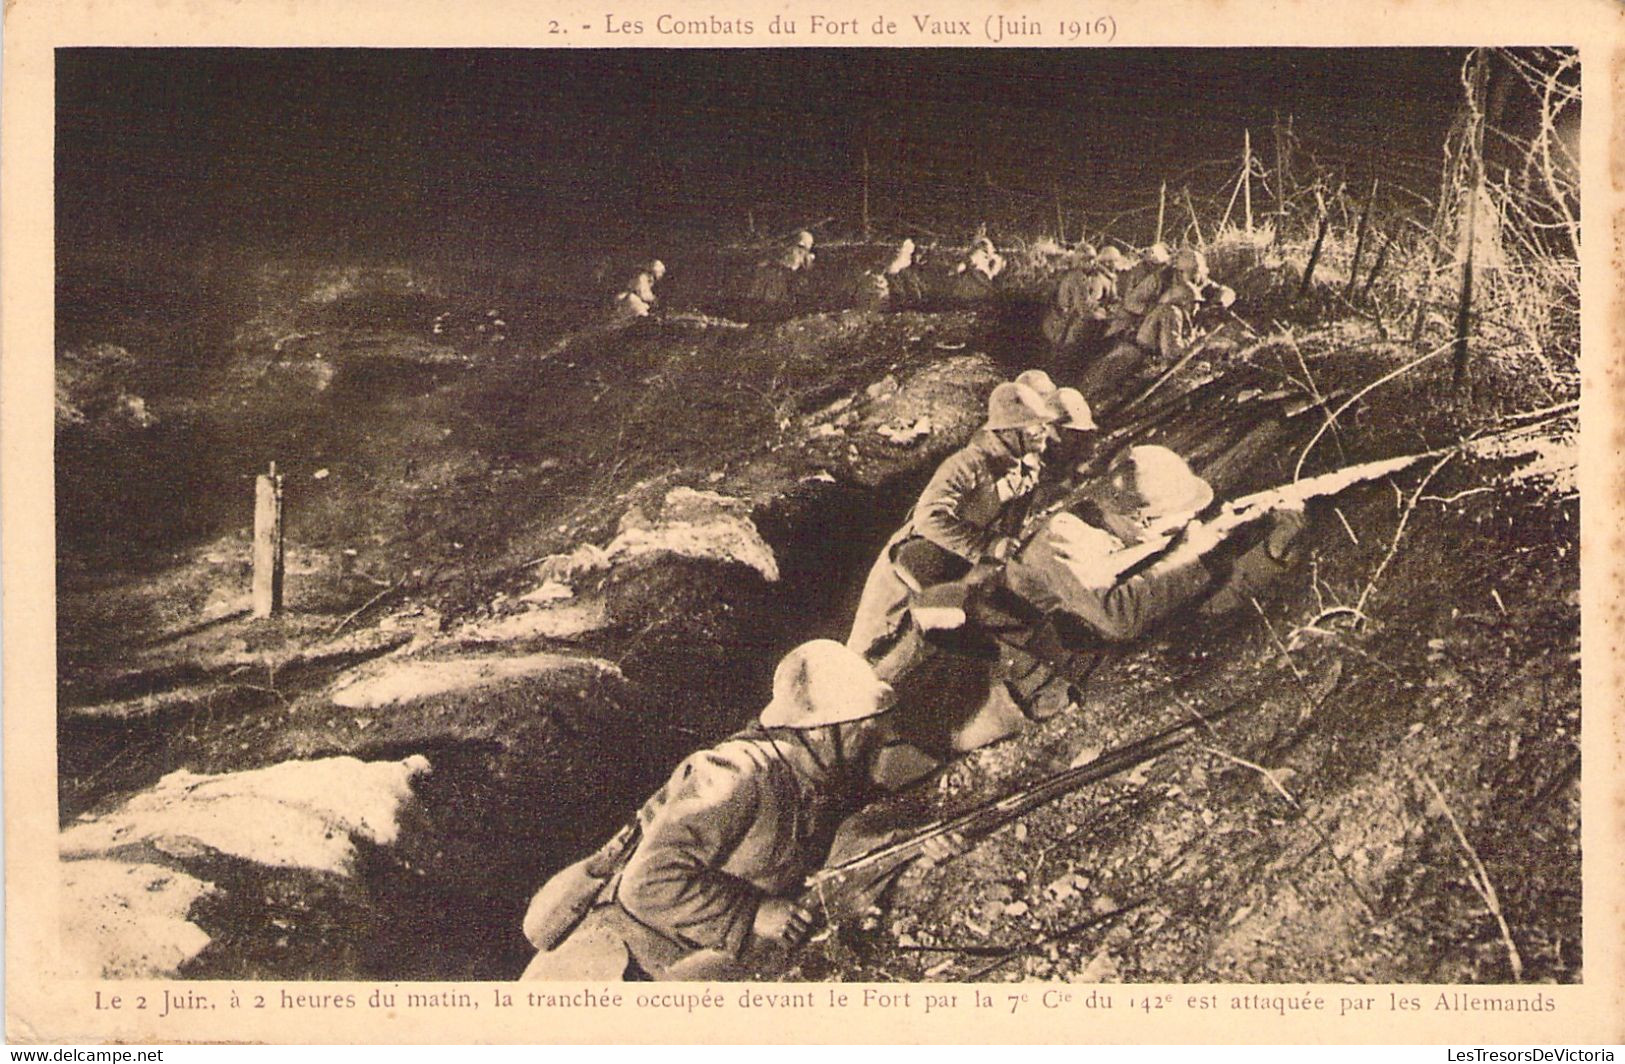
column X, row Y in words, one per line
column 1093, row 578
column 967, row 516
column 703, row 883
column 1083, row 305
column 774, row 283
column 637, row 299
column 1157, row 324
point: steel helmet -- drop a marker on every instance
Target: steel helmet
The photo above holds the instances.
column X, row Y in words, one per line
column 804, row 239
column 1157, row 484
column 1157, row 255
column 1112, row 259
column 1016, row 406
column 822, row 683
column 657, row 269
column 1038, row 381
column 1071, row 410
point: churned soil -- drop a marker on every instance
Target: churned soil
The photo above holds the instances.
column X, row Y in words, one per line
column 551, row 558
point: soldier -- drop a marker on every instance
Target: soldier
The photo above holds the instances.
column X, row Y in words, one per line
column 773, row 283
column 1169, row 327
column 967, row 514
column 973, row 277
column 706, row 878
column 903, row 275
column 1100, row 575
column 1084, row 302
column 895, row 282
column 1140, row 284
column 638, row 297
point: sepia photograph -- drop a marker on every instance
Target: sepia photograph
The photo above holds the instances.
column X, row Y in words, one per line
column 819, row 514
column 741, row 523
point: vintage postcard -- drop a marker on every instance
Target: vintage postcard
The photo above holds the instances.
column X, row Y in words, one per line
column 749, row 522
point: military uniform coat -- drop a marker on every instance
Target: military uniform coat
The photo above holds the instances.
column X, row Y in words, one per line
column 747, row 820
column 978, row 495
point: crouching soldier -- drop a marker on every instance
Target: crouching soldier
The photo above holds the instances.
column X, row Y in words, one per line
column 704, row 882
column 967, row 515
column 774, row 283
column 1169, row 327
column 972, row 278
column 638, row 298
column 1084, row 303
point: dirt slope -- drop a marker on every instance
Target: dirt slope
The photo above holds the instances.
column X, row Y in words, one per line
column 552, row 563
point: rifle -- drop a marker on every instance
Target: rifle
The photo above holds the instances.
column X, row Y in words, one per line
column 845, row 891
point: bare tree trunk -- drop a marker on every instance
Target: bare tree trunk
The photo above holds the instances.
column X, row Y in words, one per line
column 1382, row 260
column 1464, row 306
column 1478, row 98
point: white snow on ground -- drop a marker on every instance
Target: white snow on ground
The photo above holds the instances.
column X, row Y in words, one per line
column 401, row 681
column 1553, row 460
column 299, row 814
column 128, row 921
column 558, row 622
column 691, row 524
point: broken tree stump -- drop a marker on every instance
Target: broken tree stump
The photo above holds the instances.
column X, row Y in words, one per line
column 267, row 586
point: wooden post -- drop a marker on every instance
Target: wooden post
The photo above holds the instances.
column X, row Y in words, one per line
column 1314, row 256
column 267, row 587
column 1247, row 176
column 1359, row 241
column 1228, row 207
column 1162, row 203
column 1280, row 170
column 866, row 232
column 1060, row 215
column 1382, row 260
column 1196, row 225
column 1464, row 302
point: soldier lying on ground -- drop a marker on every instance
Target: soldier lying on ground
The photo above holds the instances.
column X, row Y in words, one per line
column 1035, row 628
column 705, row 879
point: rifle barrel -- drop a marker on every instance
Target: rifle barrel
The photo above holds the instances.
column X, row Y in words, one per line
column 994, row 813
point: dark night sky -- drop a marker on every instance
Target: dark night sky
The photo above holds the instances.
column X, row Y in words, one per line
column 357, row 147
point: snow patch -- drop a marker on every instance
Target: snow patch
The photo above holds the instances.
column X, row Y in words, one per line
column 559, row 622
column 691, row 524
column 298, row 814
column 399, row 682
column 128, row 921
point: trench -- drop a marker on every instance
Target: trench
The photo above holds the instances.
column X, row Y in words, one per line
column 492, row 821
